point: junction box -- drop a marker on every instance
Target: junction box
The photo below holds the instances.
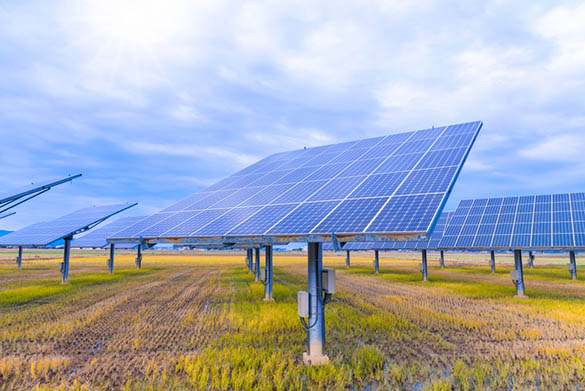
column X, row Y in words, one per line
column 328, row 280
column 515, row 275
column 303, row 304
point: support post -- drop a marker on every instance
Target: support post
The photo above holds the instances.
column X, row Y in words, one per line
column 424, row 269
column 493, row 261
column 19, row 258
column 519, row 280
column 573, row 265
column 257, row 263
column 316, row 325
column 347, row 263
column 65, row 263
column 111, row 259
column 377, row 261
column 249, row 260
column 139, row 257
column 268, row 282
column 530, row 260
column 442, row 259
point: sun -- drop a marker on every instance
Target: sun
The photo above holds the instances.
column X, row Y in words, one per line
column 137, row 25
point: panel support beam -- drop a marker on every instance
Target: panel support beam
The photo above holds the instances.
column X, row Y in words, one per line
column 518, row 276
column 268, row 282
column 530, row 260
column 493, row 261
column 316, row 325
column 442, row 261
column 424, row 267
column 138, row 259
column 250, row 260
column 573, row 265
column 257, row 263
column 377, row 261
column 347, row 259
column 19, row 258
column 65, row 263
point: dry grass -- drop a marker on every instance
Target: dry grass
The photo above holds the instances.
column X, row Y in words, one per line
column 199, row 322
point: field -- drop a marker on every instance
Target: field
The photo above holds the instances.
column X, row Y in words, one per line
column 197, row 321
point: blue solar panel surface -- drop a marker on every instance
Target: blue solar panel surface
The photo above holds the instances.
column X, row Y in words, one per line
column 96, row 238
column 42, row 234
column 382, row 186
column 548, row 222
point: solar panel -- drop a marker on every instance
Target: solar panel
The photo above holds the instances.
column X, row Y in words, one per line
column 96, row 238
column 431, row 244
column 7, row 214
column 12, row 198
column 542, row 222
column 384, row 188
column 45, row 233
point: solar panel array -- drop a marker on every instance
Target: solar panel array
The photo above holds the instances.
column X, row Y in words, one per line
column 380, row 186
column 11, row 196
column 45, row 233
column 431, row 244
column 96, row 238
column 547, row 222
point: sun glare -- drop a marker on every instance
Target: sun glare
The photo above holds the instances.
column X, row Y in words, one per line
column 133, row 23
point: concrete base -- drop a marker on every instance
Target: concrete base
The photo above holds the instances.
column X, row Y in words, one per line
column 267, row 299
column 315, row 360
column 520, row 297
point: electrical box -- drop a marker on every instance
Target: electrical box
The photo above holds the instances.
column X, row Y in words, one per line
column 303, row 304
column 328, row 280
column 421, row 267
column 263, row 274
column 515, row 275
column 571, row 267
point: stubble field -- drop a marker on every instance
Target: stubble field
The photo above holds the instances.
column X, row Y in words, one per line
column 197, row 321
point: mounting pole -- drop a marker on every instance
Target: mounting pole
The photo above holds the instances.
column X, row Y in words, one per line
column 493, row 261
column 19, row 258
column 347, row 263
column 316, row 324
column 573, row 265
column 442, row 259
column 530, row 260
column 377, row 261
column 111, row 259
column 257, row 263
column 65, row 263
column 519, row 281
column 138, row 259
column 248, row 263
column 268, row 282
column 423, row 266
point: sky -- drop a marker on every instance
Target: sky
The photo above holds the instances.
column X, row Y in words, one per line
column 154, row 100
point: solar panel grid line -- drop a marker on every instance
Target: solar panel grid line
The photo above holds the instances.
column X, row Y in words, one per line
column 572, row 220
column 497, row 222
column 273, row 204
column 451, row 184
column 403, row 181
column 305, row 201
column 333, row 210
column 282, row 217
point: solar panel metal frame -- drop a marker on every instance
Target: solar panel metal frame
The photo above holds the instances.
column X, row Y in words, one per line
column 10, row 201
column 5, row 240
column 7, row 214
column 573, row 198
column 202, row 198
